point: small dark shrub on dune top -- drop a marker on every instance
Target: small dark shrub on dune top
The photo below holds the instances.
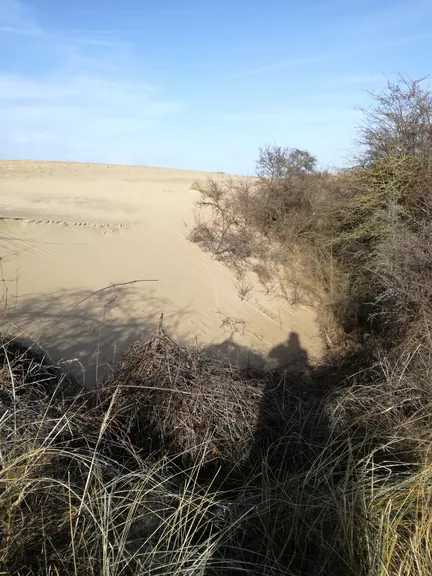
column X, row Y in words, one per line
column 182, row 402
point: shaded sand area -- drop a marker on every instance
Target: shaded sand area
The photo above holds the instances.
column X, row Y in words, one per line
column 68, row 230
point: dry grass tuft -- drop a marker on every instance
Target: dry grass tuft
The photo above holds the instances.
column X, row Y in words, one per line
column 70, row 504
column 182, row 401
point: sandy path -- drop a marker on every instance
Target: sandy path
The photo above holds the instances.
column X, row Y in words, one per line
column 68, row 230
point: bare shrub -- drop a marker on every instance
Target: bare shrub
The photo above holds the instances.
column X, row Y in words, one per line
column 222, row 221
column 402, row 270
column 384, row 220
column 261, row 223
column 399, row 124
column 244, row 285
column 276, row 162
column 235, row 325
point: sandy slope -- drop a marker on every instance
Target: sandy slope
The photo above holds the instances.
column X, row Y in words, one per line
column 69, row 229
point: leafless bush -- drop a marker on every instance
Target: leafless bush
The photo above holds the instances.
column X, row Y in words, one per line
column 385, row 222
column 260, row 224
column 244, row 285
column 402, row 270
column 235, row 325
column 276, row 162
column 222, row 221
column 399, row 124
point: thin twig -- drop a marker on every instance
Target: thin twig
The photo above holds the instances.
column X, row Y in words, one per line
column 117, row 285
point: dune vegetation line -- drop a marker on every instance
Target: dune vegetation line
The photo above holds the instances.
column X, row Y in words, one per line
column 181, row 462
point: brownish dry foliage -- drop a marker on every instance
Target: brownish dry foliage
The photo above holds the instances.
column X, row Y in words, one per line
column 181, row 401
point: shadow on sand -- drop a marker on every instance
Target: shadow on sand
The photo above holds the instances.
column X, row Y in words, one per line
column 86, row 333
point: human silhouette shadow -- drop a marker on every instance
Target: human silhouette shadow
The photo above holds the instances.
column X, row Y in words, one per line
column 277, row 508
column 239, row 356
column 290, row 355
column 287, row 400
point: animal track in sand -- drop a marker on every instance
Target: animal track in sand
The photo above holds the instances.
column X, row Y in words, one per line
column 104, row 227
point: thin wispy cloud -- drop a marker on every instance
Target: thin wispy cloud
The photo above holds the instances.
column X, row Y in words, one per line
column 82, row 38
column 294, row 63
column 359, row 79
column 308, row 60
column 35, row 139
column 21, row 31
column 406, row 40
column 87, row 101
column 79, row 113
column 294, row 116
column 17, row 18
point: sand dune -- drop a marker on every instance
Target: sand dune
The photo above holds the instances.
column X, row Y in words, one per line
column 68, row 230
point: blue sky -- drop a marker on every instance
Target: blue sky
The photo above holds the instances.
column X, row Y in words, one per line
column 198, row 84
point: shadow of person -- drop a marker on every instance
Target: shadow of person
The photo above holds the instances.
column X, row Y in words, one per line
column 289, row 355
column 279, row 508
column 283, row 406
column 238, row 356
